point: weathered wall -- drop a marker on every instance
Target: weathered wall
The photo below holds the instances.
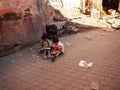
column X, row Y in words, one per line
column 21, row 23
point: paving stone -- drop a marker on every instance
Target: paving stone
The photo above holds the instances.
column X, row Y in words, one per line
column 65, row 73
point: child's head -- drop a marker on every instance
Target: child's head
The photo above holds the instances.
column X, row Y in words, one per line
column 44, row 36
column 55, row 40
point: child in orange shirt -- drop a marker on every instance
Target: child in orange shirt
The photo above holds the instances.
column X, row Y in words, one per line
column 58, row 48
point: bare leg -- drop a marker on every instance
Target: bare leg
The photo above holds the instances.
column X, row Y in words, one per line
column 44, row 55
column 49, row 53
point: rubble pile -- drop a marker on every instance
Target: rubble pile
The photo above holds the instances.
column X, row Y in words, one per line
column 114, row 22
column 69, row 28
column 64, row 29
column 73, row 27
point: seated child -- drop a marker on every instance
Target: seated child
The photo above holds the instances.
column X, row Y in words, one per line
column 46, row 46
column 58, row 48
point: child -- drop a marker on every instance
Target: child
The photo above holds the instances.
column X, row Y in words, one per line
column 46, row 46
column 58, row 48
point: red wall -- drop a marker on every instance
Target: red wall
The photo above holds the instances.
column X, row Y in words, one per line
column 20, row 23
column 15, row 26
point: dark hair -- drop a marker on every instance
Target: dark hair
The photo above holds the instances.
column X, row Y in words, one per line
column 55, row 39
column 44, row 36
column 27, row 9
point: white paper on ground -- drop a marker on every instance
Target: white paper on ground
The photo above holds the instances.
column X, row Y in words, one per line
column 82, row 63
column 90, row 64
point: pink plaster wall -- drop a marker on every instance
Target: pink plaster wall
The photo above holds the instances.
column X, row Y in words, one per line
column 21, row 28
column 18, row 25
column 17, row 6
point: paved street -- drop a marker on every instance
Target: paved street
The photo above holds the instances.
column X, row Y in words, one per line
column 26, row 70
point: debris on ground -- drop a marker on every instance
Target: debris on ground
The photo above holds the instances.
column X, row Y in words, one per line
column 13, row 61
column 35, row 56
column 31, row 49
column 20, row 55
column 114, row 23
column 94, row 85
column 82, row 63
column 111, row 12
column 67, row 43
column 88, row 37
column 103, row 34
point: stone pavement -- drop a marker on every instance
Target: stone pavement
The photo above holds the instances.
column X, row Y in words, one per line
column 25, row 70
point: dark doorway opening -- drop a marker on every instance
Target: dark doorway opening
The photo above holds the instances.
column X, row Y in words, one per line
column 110, row 4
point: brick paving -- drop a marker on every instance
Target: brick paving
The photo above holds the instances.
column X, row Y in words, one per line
column 26, row 70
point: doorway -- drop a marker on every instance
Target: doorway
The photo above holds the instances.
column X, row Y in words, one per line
column 110, row 4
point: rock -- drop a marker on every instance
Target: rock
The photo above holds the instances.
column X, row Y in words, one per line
column 95, row 14
column 117, row 21
column 69, row 28
column 110, row 21
column 115, row 26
